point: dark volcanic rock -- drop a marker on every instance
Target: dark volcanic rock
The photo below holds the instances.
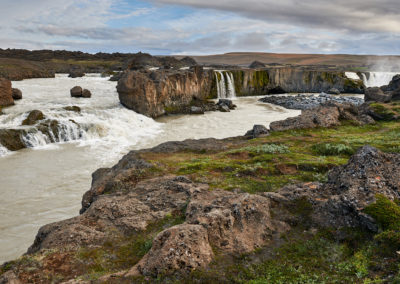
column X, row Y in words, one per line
column 33, row 117
column 256, row 64
column 76, row 92
column 257, row 131
column 394, row 84
column 6, row 98
column 16, row 94
column 350, row 188
column 76, row 74
column 327, row 115
column 86, row 93
column 376, row 94
column 309, row 101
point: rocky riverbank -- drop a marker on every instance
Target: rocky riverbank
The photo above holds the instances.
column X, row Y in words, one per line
column 184, row 211
column 303, row 102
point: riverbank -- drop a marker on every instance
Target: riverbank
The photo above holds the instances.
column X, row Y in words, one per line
column 239, row 166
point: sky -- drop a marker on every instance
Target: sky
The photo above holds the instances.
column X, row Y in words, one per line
column 198, row 27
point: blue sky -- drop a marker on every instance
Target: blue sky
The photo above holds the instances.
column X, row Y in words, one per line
column 203, row 27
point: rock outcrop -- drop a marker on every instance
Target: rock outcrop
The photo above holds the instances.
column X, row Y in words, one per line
column 257, row 132
column 328, row 115
column 384, row 94
column 339, row 203
column 6, row 98
column 156, row 93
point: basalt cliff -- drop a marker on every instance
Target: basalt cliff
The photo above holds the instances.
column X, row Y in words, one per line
column 157, row 92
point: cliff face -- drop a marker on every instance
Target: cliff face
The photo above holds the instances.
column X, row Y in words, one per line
column 155, row 93
column 252, row 82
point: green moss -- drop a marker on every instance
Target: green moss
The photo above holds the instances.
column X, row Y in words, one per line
column 259, row 80
column 385, row 212
column 385, row 112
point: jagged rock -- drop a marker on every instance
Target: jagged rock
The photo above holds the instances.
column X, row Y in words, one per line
column 333, row 91
column 228, row 103
column 72, row 108
column 16, row 94
column 76, row 92
column 86, row 93
column 6, row 98
column 319, row 117
column 223, row 108
column 394, row 84
column 116, row 77
column 350, row 188
column 109, row 179
column 180, row 248
column 257, row 64
column 257, row 131
column 196, row 110
column 376, row 94
column 33, row 117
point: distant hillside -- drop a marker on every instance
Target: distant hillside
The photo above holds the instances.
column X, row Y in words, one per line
column 339, row 60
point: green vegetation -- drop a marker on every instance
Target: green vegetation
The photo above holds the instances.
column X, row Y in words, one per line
column 384, row 110
column 328, row 149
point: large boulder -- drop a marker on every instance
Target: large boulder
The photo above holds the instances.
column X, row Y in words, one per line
column 33, row 117
column 16, row 94
column 376, row 94
column 86, row 93
column 333, row 91
column 6, row 98
column 394, row 84
column 188, row 61
column 257, row 131
column 76, row 92
column 12, row 139
column 181, row 248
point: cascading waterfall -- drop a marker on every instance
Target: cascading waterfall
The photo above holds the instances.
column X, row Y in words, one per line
column 65, row 131
column 225, row 84
column 378, row 79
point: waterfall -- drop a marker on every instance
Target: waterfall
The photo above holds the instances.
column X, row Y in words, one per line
column 225, row 84
column 59, row 132
column 378, row 79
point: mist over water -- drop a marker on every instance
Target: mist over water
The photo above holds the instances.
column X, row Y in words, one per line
column 45, row 183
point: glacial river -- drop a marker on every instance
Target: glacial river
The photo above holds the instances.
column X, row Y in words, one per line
column 45, row 183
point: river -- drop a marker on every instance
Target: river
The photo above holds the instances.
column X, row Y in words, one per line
column 45, row 183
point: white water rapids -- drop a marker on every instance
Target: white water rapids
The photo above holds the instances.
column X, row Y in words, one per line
column 45, row 183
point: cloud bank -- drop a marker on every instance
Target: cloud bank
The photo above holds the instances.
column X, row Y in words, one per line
column 203, row 27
